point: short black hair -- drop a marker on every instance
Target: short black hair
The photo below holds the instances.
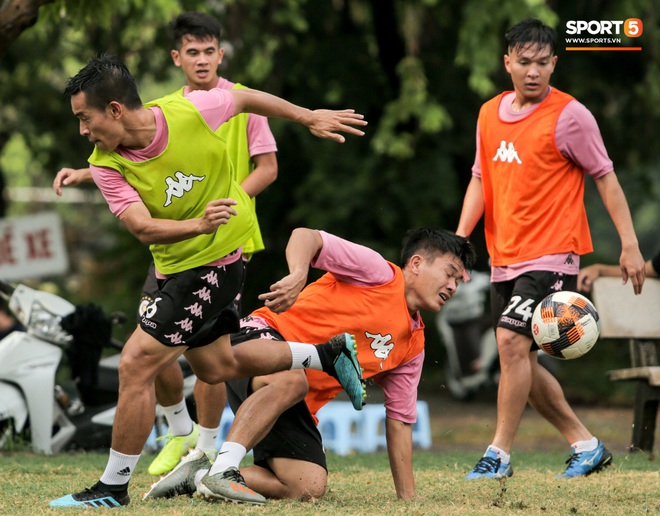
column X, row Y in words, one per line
column 105, row 79
column 430, row 240
column 201, row 26
column 530, row 32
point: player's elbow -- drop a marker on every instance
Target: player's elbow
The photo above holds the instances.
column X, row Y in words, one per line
column 143, row 236
column 274, row 173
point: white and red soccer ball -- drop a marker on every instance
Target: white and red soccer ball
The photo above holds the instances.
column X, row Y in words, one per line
column 565, row 325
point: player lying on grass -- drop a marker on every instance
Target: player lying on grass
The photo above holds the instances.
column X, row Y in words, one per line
column 373, row 299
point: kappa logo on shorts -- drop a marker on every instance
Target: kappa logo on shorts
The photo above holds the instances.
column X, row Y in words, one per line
column 179, row 186
column 559, row 285
column 195, row 309
column 212, row 278
column 204, row 294
column 185, row 324
column 175, row 338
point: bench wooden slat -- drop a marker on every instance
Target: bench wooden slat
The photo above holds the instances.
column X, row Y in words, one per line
column 624, row 315
column 650, row 373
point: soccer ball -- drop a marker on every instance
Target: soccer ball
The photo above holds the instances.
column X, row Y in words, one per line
column 565, row 325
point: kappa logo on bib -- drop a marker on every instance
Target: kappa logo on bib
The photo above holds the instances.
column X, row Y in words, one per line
column 179, row 186
column 507, row 153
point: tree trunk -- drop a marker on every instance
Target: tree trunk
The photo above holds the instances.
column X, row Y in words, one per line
column 15, row 17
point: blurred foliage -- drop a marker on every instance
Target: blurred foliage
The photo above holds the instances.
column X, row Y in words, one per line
column 417, row 69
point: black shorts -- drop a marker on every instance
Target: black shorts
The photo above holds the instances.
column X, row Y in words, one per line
column 191, row 308
column 513, row 302
column 294, row 435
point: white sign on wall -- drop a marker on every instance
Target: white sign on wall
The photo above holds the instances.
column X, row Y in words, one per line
column 32, row 247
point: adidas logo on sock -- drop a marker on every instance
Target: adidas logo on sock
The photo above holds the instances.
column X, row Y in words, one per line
column 124, row 472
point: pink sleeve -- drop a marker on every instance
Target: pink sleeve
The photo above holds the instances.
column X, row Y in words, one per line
column 216, row 105
column 578, row 138
column 400, row 388
column 115, row 189
column 260, row 138
column 352, row 263
column 476, row 167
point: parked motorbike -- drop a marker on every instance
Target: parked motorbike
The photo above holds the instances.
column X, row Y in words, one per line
column 33, row 407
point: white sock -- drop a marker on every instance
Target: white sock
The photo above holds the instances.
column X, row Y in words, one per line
column 178, row 419
column 230, row 455
column 304, row 356
column 199, row 475
column 207, row 438
column 583, row 446
column 504, row 457
column 119, row 469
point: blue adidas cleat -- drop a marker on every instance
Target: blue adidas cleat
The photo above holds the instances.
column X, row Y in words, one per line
column 95, row 497
column 490, row 466
column 348, row 370
column 585, row 463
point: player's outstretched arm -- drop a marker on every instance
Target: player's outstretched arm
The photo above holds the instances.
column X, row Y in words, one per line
column 304, row 244
column 70, row 177
column 324, row 123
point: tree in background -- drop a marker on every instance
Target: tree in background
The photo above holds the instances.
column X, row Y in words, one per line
column 418, row 69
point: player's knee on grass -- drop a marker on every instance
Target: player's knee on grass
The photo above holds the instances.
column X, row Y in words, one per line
column 302, row 480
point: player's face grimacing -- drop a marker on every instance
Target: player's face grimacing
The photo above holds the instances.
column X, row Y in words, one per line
column 436, row 281
column 530, row 67
column 101, row 127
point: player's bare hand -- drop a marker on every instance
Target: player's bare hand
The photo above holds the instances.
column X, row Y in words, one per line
column 70, row 177
column 284, row 293
column 326, row 123
column 217, row 213
column 587, row 276
column 632, row 268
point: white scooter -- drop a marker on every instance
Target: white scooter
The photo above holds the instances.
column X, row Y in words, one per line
column 33, row 408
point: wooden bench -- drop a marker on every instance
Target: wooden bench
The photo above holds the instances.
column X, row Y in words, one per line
column 623, row 315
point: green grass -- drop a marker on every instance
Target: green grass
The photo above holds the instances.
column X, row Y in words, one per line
column 362, row 484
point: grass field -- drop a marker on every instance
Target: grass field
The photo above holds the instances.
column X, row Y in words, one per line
column 362, row 484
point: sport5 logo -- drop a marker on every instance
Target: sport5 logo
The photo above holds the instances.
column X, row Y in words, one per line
column 148, row 307
column 179, row 186
column 632, row 27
